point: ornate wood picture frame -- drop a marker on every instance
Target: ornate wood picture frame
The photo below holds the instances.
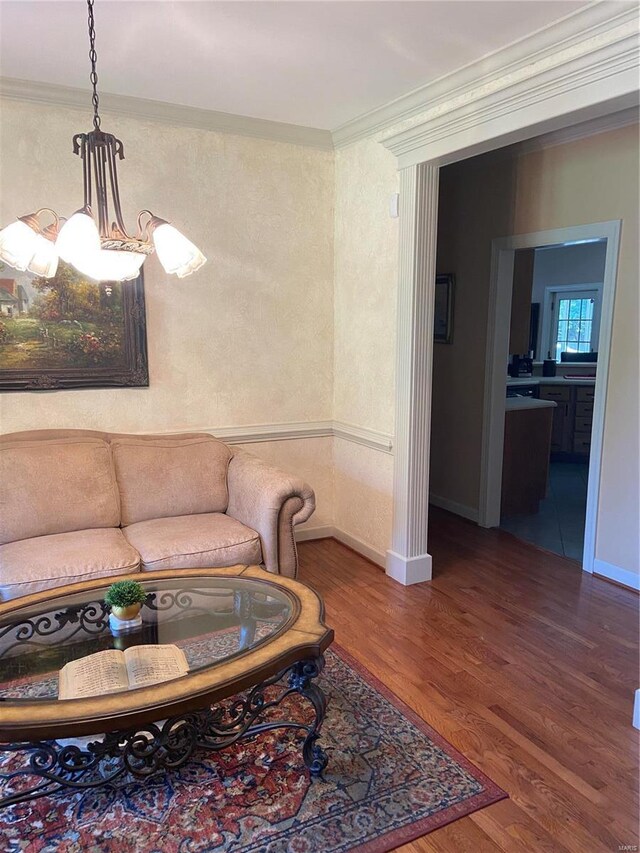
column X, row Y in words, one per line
column 71, row 332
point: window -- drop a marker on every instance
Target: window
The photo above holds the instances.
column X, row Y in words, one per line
column 575, row 322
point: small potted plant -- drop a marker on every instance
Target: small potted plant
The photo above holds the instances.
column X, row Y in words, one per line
column 125, row 599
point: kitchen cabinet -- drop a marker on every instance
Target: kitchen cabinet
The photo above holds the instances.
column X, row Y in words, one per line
column 583, row 419
column 561, row 437
column 572, row 417
column 586, row 394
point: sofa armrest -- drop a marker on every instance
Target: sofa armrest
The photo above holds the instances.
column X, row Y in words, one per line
column 270, row 502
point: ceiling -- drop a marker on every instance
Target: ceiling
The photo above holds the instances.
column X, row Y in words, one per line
column 317, row 64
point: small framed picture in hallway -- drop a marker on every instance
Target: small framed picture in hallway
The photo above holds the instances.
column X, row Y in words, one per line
column 443, row 309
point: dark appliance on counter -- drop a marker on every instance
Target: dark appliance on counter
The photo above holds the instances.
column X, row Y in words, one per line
column 520, row 367
column 526, row 366
column 549, row 366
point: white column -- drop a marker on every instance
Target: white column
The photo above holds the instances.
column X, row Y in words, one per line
column 408, row 560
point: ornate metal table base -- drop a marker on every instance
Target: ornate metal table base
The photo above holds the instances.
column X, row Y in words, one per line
column 144, row 751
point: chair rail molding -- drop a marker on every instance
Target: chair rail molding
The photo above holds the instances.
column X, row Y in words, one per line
column 587, row 67
column 363, row 435
column 257, row 433
column 407, row 560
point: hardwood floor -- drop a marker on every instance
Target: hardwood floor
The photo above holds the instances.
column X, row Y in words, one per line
column 523, row 662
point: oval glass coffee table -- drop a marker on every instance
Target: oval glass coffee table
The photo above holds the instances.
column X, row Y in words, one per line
column 251, row 639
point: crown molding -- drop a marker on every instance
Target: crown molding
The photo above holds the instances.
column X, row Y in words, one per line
column 438, row 104
column 582, row 32
column 606, row 43
column 160, row 111
column 592, row 76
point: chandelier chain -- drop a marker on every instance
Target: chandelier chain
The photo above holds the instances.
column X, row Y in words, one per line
column 93, row 57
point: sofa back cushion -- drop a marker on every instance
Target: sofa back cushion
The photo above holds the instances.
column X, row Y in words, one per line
column 56, row 486
column 51, row 435
column 163, row 477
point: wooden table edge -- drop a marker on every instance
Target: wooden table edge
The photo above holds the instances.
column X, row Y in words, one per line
column 78, row 717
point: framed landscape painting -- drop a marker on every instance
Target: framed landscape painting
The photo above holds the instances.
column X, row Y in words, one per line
column 70, row 332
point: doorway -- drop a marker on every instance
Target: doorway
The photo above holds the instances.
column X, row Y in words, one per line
column 577, row 404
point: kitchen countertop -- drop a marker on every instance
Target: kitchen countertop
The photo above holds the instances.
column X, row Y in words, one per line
column 565, row 364
column 551, row 380
column 513, row 404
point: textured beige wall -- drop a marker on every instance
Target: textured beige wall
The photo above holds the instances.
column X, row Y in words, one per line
column 237, row 342
column 246, row 340
column 366, row 263
column 590, row 180
column 363, row 494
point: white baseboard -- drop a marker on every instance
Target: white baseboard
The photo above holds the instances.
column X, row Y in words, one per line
column 615, row 573
column 320, row 531
column 408, row 570
column 377, row 557
column 453, row 506
column 326, row 531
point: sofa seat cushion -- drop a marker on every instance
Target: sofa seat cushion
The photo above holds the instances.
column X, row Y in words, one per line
column 44, row 562
column 210, row 539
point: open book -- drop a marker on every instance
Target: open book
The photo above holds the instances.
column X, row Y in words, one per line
column 112, row 671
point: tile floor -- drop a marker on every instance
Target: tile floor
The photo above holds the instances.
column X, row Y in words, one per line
column 559, row 525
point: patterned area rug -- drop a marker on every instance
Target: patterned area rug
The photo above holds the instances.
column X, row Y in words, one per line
column 390, row 779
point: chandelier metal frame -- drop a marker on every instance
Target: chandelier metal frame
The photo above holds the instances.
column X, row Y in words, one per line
column 98, row 245
column 100, row 152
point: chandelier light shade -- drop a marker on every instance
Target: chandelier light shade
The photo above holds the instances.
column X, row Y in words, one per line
column 78, row 238
column 44, row 262
column 111, row 265
column 26, row 245
column 176, row 254
column 96, row 244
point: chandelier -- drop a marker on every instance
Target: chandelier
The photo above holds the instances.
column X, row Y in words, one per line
column 98, row 246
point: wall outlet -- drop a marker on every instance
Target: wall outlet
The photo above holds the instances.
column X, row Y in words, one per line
column 394, row 205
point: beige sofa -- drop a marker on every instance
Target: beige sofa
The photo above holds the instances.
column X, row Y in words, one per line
column 78, row 504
